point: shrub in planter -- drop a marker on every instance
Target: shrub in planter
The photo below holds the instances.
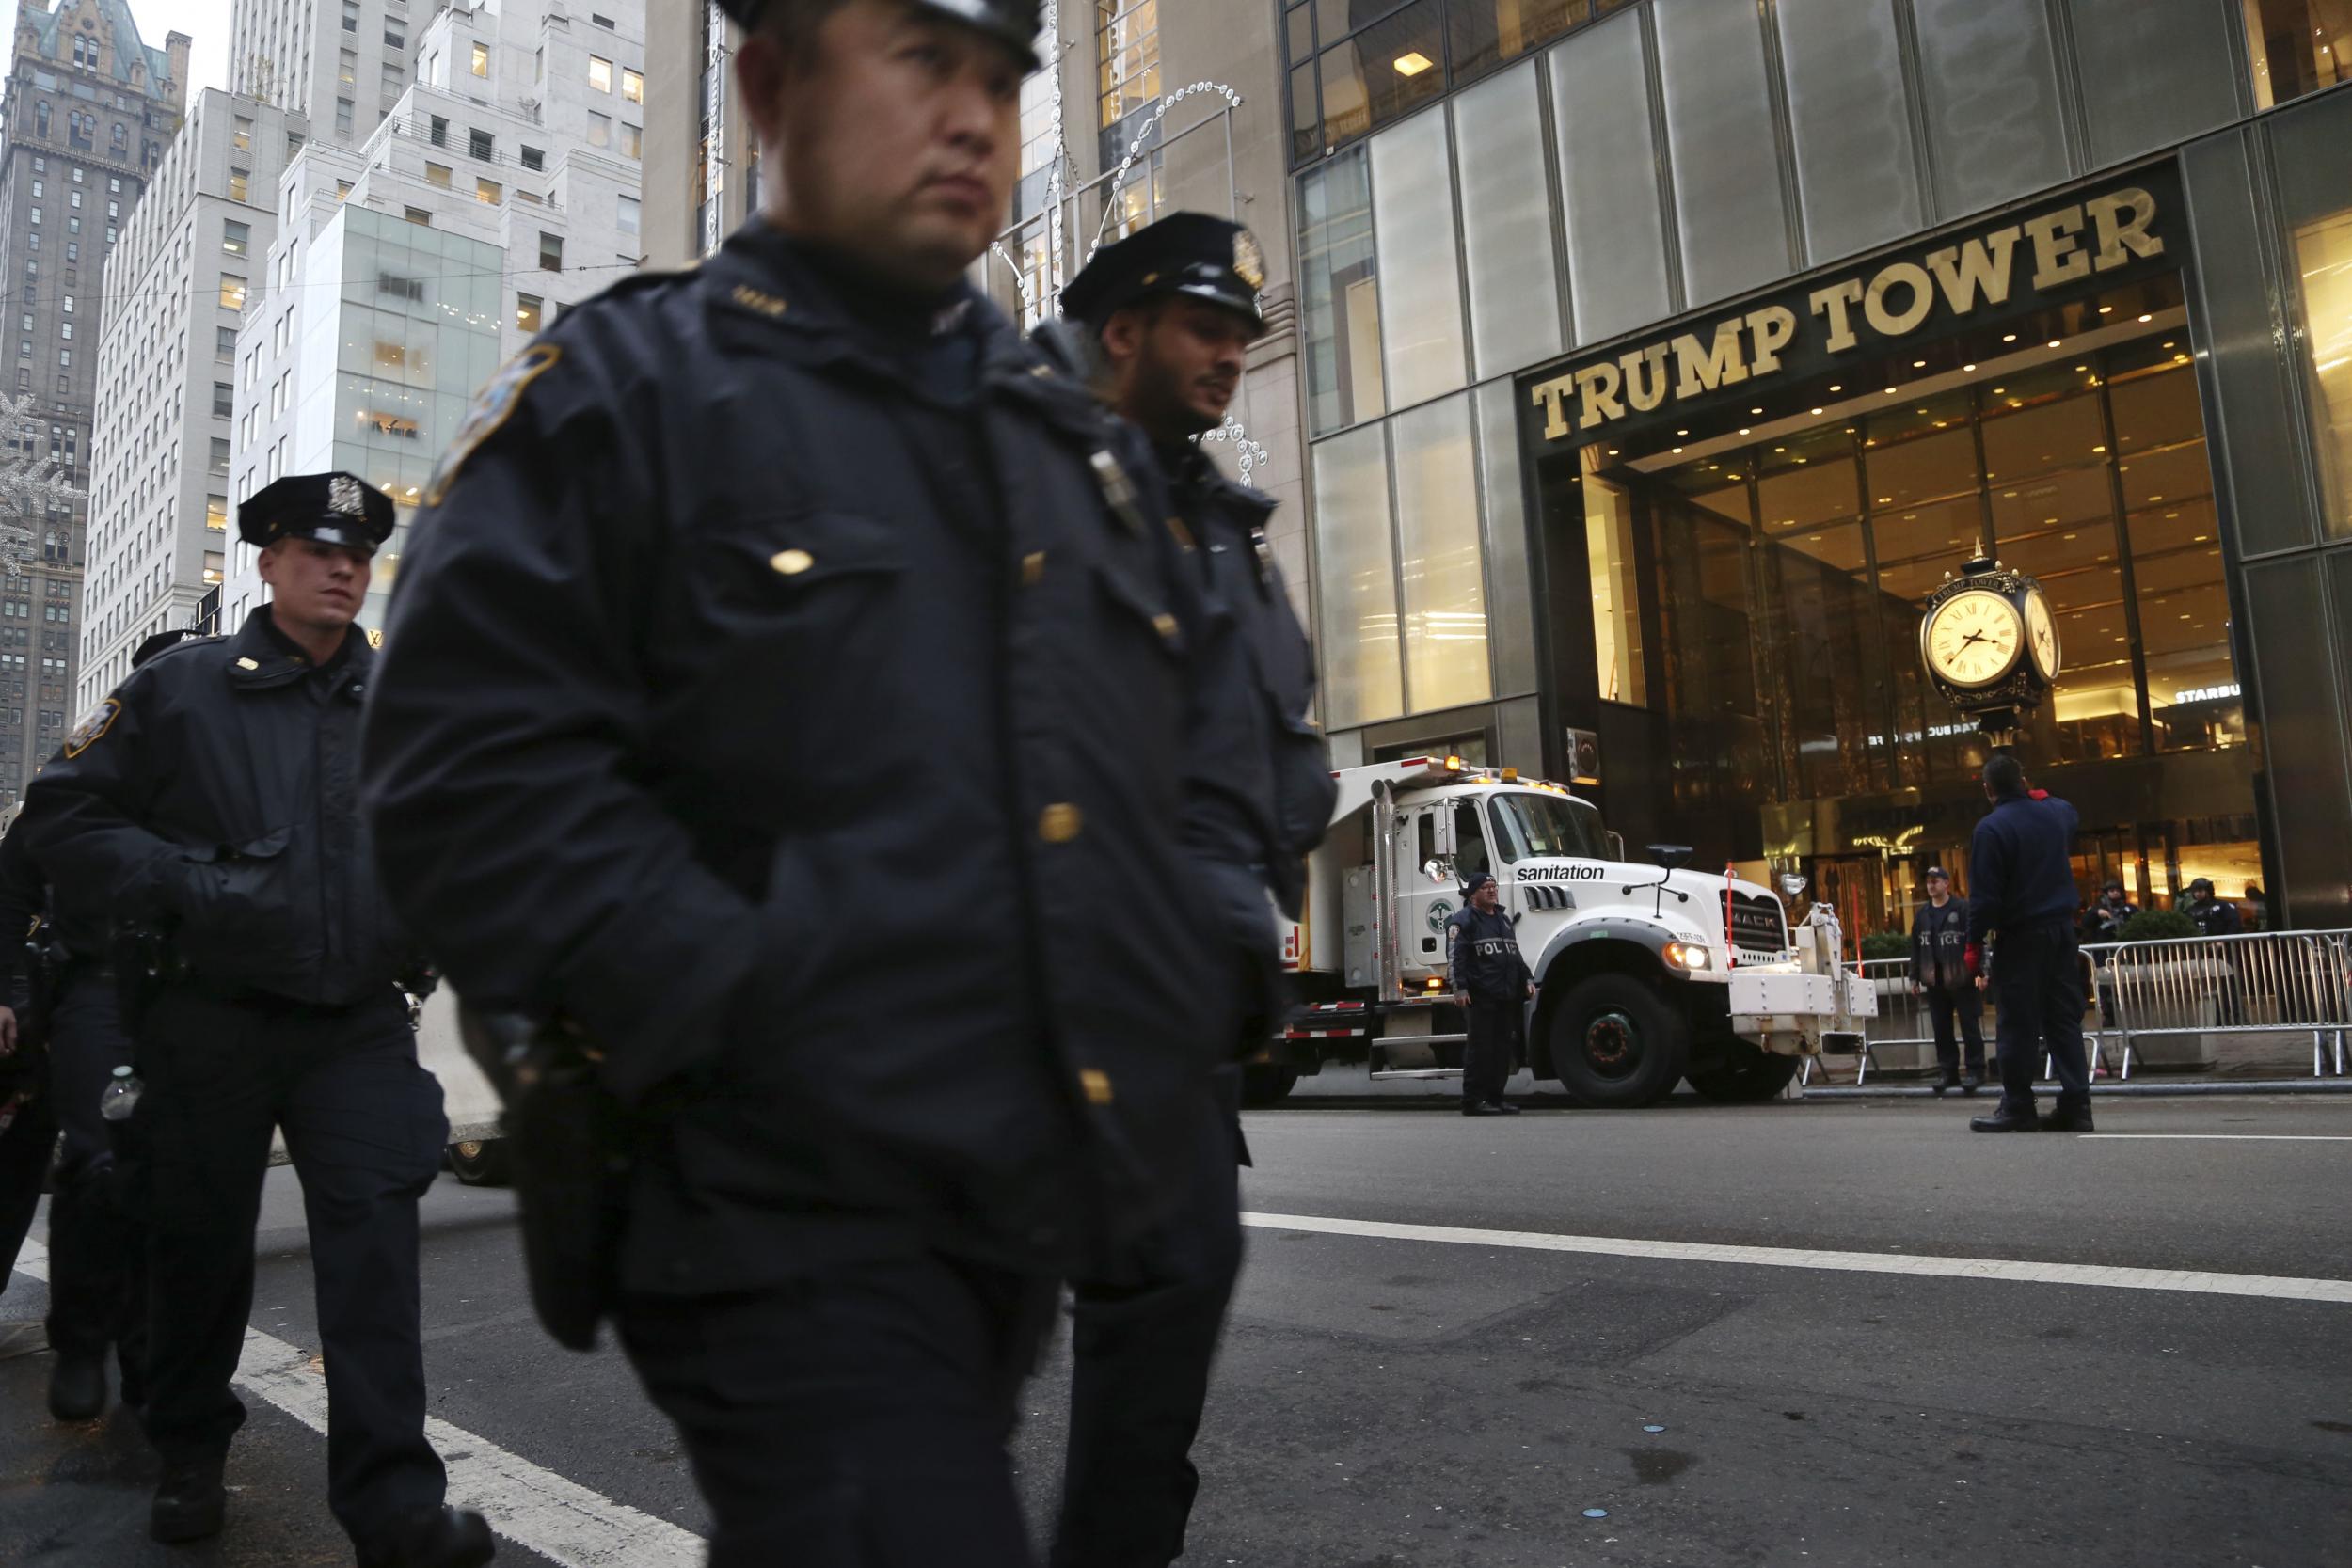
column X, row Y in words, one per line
column 1886, row 944
column 2157, row 926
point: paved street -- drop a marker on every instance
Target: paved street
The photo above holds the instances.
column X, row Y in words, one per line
column 1755, row 1349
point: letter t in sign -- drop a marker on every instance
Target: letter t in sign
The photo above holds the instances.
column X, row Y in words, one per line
column 1835, row 304
column 1549, row 395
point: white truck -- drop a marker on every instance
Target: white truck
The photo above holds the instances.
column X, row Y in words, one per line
column 1646, row 975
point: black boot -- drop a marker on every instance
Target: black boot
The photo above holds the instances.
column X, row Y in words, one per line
column 443, row 1538
column 1502, row 1107
column 2068, row 1118
column 1969, row 1080
column 1479, row 1108
column 191, row 1503
column 2006, row 1119
column 1950, row 1080
column 77, row 1388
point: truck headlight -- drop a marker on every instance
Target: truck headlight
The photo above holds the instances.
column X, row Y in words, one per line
column 1689, row 955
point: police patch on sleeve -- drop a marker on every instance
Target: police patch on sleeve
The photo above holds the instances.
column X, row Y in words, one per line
column 492, row 407
column 94, row 723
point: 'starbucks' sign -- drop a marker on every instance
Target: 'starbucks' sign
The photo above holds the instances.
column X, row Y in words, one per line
column 2010, row 269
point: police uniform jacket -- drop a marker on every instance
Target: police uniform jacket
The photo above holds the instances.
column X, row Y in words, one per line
column 1264, row 792
column 2214, row 917
column 1939, row 940
column 802, row 712
column 1484, row 956
column 2104, row 922
column 214, row 795
column 2020, row 862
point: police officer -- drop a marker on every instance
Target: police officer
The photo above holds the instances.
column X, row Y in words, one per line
column 1939, row 972
column 28, row 1128
column 2104, row 922
column 1168, row 315
column 214, row 795
column 1491, row 985
column 2214, row 917
column 737, row 586
column 2021, row 862
column 97, row 1248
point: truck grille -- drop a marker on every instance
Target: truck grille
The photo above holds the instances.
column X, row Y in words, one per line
column 1756, row 924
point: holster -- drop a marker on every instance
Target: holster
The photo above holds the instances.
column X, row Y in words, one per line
column 570, row 1144
column 144, row 964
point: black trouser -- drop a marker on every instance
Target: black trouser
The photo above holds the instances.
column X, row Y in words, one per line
column 1494, row 1032
column 853, row 1420
column 1141, row 1354
column 26, row 1148
column 363, row 1124
column 97, row 1248
column 1942, row 1006
column 2038, row 984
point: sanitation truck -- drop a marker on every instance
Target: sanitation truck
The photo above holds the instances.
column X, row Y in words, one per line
column 1648, row 974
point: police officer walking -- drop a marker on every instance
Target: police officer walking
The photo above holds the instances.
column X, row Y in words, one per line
column 215, row 795
column 1491, row 986
column 739, row 585
column 1939, row 972
column 2019, row 860
column 1169, row 313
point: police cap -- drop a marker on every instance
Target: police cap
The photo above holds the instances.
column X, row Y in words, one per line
column 1011, row 22
column 1185, row 253
column 161, row 641
column 333, row 508
column 1476, row 880
column 1936, row 872
column 2203, row 884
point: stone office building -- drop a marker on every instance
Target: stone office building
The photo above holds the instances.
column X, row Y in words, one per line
column 1659, row 358
column 89, row 108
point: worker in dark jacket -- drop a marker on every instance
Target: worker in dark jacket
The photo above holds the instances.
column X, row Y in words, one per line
column 1168, row 315
column 1939, row 972
column 1491, row 985
column 2021, row 862
column 213, row 800
column 800, row 572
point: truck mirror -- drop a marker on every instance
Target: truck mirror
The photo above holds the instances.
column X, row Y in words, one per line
column 1616, row 844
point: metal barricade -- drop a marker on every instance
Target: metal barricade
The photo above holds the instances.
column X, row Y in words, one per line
column 2282, row 985
column 1906, row 1018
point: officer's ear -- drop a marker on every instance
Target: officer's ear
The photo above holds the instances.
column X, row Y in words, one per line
column 1123, row 337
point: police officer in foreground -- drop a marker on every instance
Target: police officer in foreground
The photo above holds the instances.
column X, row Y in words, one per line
column 97, row 1248
column 2021, row 862
column 1939, row 972
column 742, row 586
column 1491, row 986
column 215, row 798
column 1168, row 315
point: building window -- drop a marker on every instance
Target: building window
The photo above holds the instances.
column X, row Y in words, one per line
column 527, row 312
column 488, row 192
column 632, row 86
column 393, row 40
column 1129, row 36
column 628, row 215
column 241, row 135
column 599, row 73
column 2298, row 46
column 550, row 252
column 483, row 145
column 232, row 291
column 632, row 140
column 235, row 238
column 393, row 81
column 237, row 177
column 342, row 189
column 224, row 344
column 436, row 174
column 342, row 117
column 41, row 115
column 2322, row 256
column 351, row 16
column 36, row 214
column 35, row 190
column 1340, row 293
column 534, row 158
column 65, row 331
column 436, row 131
column 599, row 135
column 224, row 399
column 481, row 59
column 347, row 68
column 216, row 514
column 419, row 217
column 220, row 456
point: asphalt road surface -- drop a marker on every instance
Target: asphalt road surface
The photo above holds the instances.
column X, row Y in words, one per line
column 1843, row 1333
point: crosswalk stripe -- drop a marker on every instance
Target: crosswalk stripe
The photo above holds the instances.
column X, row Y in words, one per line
column 532, row 1507
column 2196, row 1282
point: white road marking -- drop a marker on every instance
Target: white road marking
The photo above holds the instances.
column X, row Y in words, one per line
column 559, row 1519
column 2227, row 1137
column 2276, row 1288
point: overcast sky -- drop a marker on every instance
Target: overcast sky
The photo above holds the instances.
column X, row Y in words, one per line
column 205, row 21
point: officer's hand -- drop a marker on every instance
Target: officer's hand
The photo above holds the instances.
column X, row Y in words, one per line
column 1531, row 990
column 8, row 1031
column 1981, row 982
column 1461, row 999
column 1918, row 990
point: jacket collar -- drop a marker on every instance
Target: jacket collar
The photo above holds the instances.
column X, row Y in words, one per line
column 1196, row 472
column 260, row 658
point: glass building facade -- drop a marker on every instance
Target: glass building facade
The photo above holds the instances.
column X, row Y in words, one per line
column 1708, row 607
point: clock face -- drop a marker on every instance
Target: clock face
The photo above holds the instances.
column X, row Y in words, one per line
column 1975, row 639
column 2041, row 634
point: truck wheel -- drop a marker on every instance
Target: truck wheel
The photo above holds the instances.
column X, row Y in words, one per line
column 1263, row 1083
column 1615, row 1044
column 481, row 1163
column 1750, row 1075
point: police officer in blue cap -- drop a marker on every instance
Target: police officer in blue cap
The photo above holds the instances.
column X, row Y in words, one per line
column 214, row 797
column 800, row 567
column 1166, row 318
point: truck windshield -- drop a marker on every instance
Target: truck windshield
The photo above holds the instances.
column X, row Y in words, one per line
column 1551, row 825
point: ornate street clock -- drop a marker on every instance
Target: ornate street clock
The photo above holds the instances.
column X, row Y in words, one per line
column 1990, row 645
